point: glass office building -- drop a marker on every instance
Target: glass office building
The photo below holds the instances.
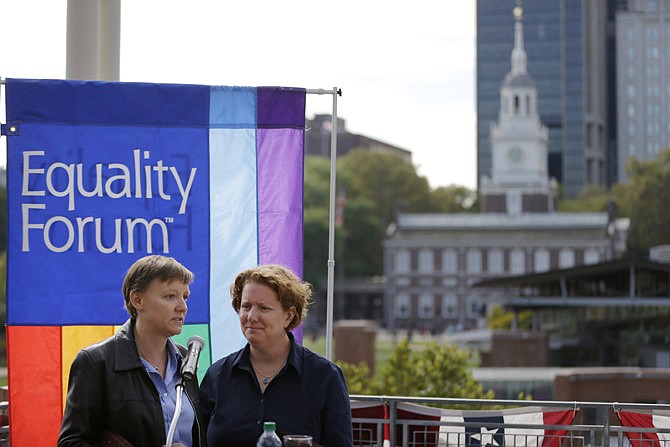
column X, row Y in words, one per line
column 643, row 64
column 568, row 49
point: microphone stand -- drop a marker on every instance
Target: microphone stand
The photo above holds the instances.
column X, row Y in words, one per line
column 187, row 373
column 177, row 412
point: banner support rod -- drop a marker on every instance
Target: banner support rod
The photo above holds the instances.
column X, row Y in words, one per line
column 331, row 218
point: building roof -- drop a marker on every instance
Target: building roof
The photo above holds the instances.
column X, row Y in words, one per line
column 498, row 221
column 632, row 282
column 518, row 80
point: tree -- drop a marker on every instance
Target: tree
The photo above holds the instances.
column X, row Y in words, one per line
column 592, row 198
column 374, row 187
column 315, row 248
column 645, row 200
column 502, row 319
column 317, row 183
column 455, row 199
column 358, row 378
column 358, row 252
column 315, row 222
column 387, row 180
column 437, row 370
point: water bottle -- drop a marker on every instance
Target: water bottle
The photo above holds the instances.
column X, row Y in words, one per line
column 269, row 438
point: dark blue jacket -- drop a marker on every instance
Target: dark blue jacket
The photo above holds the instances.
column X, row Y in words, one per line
column 308, row 396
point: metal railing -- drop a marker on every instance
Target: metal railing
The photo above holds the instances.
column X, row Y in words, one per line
column 443, row 422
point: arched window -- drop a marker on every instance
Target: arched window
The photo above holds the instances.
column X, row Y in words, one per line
column 402, row 306
column 402, row 261
column 426, row 261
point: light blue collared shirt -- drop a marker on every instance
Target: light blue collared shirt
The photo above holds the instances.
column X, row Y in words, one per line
column 167, row 390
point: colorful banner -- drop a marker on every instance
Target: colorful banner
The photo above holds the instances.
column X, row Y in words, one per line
column 100, row 174
column 645, row 427
column 423, row 426
column 526, row 426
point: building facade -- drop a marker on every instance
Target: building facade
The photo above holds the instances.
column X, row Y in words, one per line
column 643, row 90
column 568, row 45
column 431, row 261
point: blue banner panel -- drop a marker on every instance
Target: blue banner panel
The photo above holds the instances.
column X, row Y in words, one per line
column 98, row 177
column 108, row 103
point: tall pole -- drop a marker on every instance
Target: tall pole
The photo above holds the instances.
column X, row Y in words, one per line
column 331, row 220
column 93, row 39
column 331, row 230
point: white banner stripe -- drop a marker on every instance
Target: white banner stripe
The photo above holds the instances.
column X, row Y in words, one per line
column 233, row 225
column 451, row 435
column 662, row 422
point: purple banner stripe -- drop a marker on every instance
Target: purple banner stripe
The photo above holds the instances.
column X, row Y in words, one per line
column 281, row 107
column 280, row 197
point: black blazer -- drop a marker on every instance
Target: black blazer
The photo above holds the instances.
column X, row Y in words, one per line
column 110, row 391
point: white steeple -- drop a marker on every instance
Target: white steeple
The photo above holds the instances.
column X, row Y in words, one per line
column 519, row 175
column 518, row 53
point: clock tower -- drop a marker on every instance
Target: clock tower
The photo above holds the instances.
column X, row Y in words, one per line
column 519, row 181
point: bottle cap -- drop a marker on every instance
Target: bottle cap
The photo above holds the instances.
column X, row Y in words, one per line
column 269, row 426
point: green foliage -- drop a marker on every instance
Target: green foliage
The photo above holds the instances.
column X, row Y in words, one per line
column 645, row 200
column 315, row 222
column 384, row 179
column 317, row 183
column 455, row 199
column 375, row 186
column 500, row 318
column 358, row 378
column 359, row 250
column 437, row 370
column 592, row 198
column 315, row 248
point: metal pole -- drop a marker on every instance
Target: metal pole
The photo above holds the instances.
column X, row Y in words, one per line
column 93, row 40
column 331, row 220
column 331, row 232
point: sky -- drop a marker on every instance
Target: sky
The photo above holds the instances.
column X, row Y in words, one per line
column 406, row 69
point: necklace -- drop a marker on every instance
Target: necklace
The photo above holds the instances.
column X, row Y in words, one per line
column 156, row 367
column 267, row 378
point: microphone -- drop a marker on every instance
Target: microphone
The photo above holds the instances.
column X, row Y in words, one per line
column 195, row 345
